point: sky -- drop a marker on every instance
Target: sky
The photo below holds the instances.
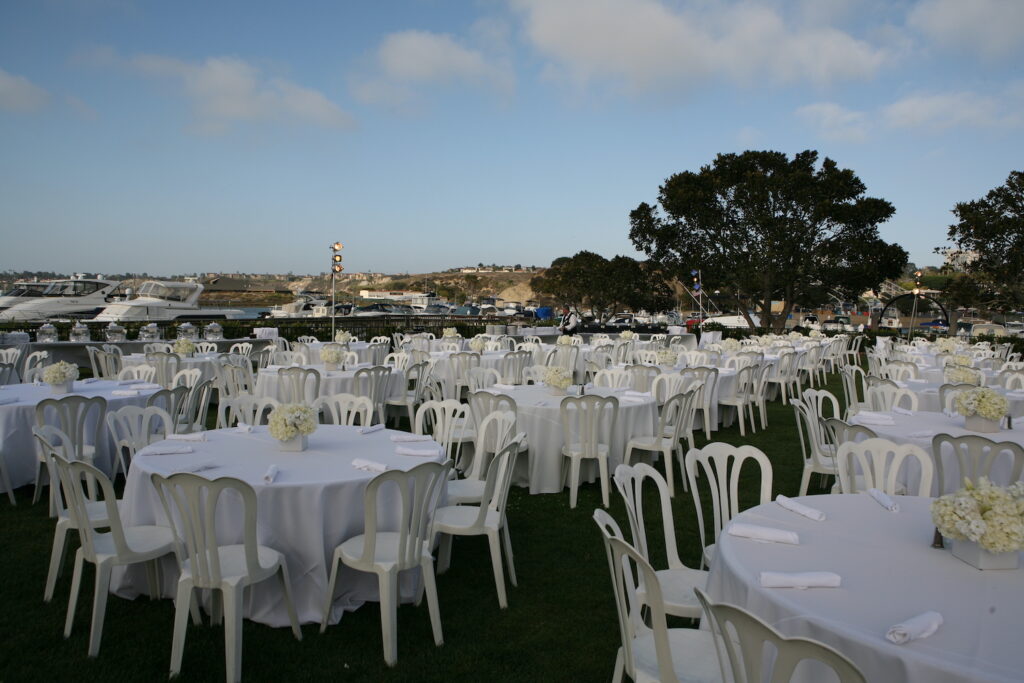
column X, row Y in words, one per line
column 180, row 137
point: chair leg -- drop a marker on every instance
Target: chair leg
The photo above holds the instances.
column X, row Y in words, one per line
column 388, row 587
column 669, row 475
column 508, row 554
column 574, row 480
column 739, row 414
column 99, row 607
column 60, row 542
column 499, row 575
column 76, row 584
column 233, row 632
column 444, row 554
column 619, row 667
column 330, row 594
column 602, row 466
column 183, row 602
column 286, row 585
column 805, row 481
column 433, row 607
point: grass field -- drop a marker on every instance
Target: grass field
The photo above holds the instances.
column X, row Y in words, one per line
column 560, row 624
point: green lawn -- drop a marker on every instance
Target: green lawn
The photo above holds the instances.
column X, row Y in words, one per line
column 560, row 624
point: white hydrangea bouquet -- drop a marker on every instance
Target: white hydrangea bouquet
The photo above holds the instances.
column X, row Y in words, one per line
column 795, row 335
column 958, row 374
column 959, row 359
column 557, row 377
column 343, row 337
column 714, row 348
column 449, row 333
column 60, row 375
column 731, row 344
column 667, row 357
column 628, row 334
column 991, row 516
column 290, row 423
column 946, row 345
column 815, row 334
column 184, row 346
column 331, row 356
column 564, row 340
column 983, row 402
column 477, row 344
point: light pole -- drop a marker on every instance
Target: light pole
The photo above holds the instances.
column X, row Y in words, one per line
column 913, row 309
column 336, row 268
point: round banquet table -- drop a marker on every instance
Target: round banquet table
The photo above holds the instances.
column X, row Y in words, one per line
column 17, row 419
column 311, row 352
column 314, row 504
column 928, row 395
column 889, row 573
column 538, row 413
column 332, row 382
column 204, row 362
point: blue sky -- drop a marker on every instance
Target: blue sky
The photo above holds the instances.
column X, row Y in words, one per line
column 424, row 134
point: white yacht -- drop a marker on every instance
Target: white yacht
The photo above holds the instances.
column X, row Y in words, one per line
column 165, row 300
column 19, row 292
column 74, row 298
column 303, row 307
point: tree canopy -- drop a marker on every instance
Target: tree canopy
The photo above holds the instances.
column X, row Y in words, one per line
column 762, row 227
column 604, row 285
column 993, row 228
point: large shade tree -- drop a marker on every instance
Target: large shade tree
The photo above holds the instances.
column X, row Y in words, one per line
column 762, row 227
column 993, row 228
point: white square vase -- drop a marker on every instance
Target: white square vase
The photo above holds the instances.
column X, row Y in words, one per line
column 976, row 556
column 296, row 444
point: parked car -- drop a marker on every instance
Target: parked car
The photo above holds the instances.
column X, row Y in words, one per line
column 839, row 323
column 622, row 321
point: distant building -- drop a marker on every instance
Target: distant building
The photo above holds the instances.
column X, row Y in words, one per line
column 401, row 296
column 959, row 259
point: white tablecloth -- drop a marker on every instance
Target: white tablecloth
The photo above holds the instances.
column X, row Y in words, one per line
column 331, row 383
column 203, row 361
column 361, row 349
column 539, row 415
column 928, row 396
column 18, row 419
column 315, row 503
column 889, row 573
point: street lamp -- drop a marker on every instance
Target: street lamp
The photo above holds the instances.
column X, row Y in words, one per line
column 336, row 268
column 913, row 310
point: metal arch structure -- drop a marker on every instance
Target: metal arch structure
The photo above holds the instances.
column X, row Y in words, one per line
column 893, row 300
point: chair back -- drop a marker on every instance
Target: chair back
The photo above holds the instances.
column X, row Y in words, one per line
column 299, row 385
column 197, row 405
column 564, row 356
column 444, row 420
column 144, row 373
column 613, row 378
column 493, row 433
column 190, row 504
column 206, row 347
column 630, row 480
column 885, row 395
column 247, row 409
column 398, row 360
column 52, row 441
column 483, row 403
column 411, row 497
column 132, row 427
column 80, row 417
column 972, row 457
column 878, row 462
column 307, row 339
column 855, row 387
column 186, row 378
column 373, row 383
column 481, row 378
column 744, row 638
column 8, row 373
column 899, row 371
column 173, row 401
column 720, row 465
column 344, row 409
column 641, row 376
column 166, row 364
column 241, row 348
column 668, row 384
column 77, row 480
column 157, row 347
column 512, row 365
column 947, row 395
column 378, row 350
column 588, row 422
column 288, row 358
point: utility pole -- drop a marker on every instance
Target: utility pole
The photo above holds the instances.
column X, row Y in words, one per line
column 336, row 268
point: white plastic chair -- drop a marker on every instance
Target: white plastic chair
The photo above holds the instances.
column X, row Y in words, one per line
column 445, row 421
column 481, row 378
column 132, row 428
column 307, row 339
column 166, row 364
column 666, row 440
column 288, row 358
column 385, row 550
column 373, row 383
column 677, row 581
column 344, row 409
column 206, row 347
column 118, row 547
column 743, row 400
column 512, row 365
column 241, row 348
column 190, row 503
column 613, row 378
column 81, row 419
column 33, row 362
column 650, row 651
column 417, row 375
column 642, row 376
column 884, row 396
column 143, row 373
column 720, row 465
column 186, row 378
column 245, row 409
column 298, row 385
column 709, row 378
column 974, row 456
column 587, row 424
column 157, row 347
column 876, row 463
column 193, row 414
column 493, row 433
column 485, row 519
column 743, row 638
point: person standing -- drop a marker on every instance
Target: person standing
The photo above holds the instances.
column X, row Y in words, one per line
column 570, row 322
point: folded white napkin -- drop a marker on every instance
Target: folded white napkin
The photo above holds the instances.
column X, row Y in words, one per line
column 243, row 428
column 884, row 500
column 916, row 381
column 198, row 467
column 640, row 394
column 421, row 452
column 406, row 438
column 632, row 400
column 371, row 429
column 800, row 580
column 923, row 434
column 871, row 417
column 124, row 392
column 165, row 449
column 901, row 384
column 148, row 385
column 914, row 628
column 902, row 411
column 89, row 380
column 192, row 436
column 369, row 465
column 763, row 533
column 271, row 474
column 503, row 387
column 128, row 381
column 8, row 399
column 799, row 508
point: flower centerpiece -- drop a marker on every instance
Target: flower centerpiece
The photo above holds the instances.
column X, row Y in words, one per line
column 449, row 333
column 331, row 357
column 343, row 337
column 557, row 379
column 815, row 334
column 986, row 523
column 667, row 357
column 627, row 334
column 961, row 359
column 982, row 408
column 714, row 348
column 958, row 374
column 291, row 424
column 794, row 336
column 60, row 376
column 477, row 344
column 564, row 340
column 184, row 346
column 946, row 345
column 730, row 344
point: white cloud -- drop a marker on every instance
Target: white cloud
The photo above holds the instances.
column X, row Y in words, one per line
column 834, row 122
column 17, row 93
column 939, row 111
column 227, row 89
column 408, row 60
column 992, row 28
column 648, row 44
